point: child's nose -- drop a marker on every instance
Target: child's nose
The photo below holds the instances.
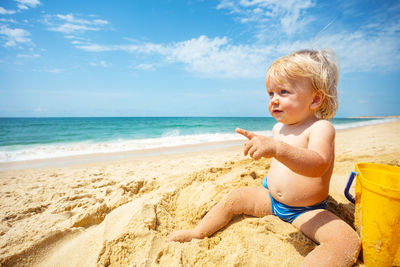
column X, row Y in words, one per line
column 275, row 100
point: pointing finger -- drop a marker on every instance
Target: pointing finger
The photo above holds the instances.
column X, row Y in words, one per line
column 247, row 134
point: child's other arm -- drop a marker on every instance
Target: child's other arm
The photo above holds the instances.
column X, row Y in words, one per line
column 312, row 161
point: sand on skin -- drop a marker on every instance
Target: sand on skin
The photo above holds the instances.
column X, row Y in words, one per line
column 120, row 212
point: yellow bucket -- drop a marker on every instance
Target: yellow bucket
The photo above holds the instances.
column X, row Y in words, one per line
column 377, row 213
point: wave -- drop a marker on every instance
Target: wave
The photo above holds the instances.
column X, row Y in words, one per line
column 361, row 123
column 170, row 138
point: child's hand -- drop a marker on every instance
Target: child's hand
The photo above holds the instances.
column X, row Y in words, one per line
column 258, row 146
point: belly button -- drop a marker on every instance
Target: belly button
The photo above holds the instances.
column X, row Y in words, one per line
column 279, row 194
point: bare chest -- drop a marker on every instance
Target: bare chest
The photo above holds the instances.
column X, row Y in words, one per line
column 299, row 140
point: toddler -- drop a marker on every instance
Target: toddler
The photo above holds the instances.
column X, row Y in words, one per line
column 302, row 88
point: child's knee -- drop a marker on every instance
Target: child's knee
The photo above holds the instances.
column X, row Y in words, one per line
column 351, row 247
column 351, row 239
column 346, row 240
column 354, row 243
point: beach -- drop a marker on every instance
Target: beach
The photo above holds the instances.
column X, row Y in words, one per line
column 119, row 212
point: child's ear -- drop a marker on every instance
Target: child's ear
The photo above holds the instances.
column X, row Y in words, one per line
column 318, row 99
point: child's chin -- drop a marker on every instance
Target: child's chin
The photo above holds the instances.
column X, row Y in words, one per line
column 282, row 120
column 278, row 117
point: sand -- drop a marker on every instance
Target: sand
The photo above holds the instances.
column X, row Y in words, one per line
column 118, row 213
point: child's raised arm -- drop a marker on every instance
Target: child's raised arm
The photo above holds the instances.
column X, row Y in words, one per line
column 312, row 161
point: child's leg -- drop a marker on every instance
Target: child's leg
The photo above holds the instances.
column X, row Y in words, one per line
column 339, row 244
column 250, row 201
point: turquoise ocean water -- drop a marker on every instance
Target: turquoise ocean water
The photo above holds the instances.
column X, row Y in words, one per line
column 40, row 138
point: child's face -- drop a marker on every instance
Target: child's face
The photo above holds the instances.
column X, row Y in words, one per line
column 290, row 100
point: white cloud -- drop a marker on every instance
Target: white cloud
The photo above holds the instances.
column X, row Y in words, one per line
column 211, row 57
column 72, row 19
column 100, row 22
column 28, row 56
column 145, row 66
column 101, row 63
column 26, row 4
column 95, row 48
column 8, row 20
column 286, row 15
column 220, row 58
column 143, row 48
column 3, row 11
column 72, row 28
column 70, row 24
column 15, row 36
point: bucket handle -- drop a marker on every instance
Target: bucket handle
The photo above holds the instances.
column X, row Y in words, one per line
column 346, row 190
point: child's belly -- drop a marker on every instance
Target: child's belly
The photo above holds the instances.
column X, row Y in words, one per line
column 293, row 189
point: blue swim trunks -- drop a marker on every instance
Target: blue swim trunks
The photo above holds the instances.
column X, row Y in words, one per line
column 289, row 213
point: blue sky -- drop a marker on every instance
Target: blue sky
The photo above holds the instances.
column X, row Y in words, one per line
column 187, row 58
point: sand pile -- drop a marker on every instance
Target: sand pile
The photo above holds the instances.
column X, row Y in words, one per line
column 119, row 213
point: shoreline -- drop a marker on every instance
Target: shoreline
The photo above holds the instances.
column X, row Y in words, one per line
column 113, row 156
column 376, row 117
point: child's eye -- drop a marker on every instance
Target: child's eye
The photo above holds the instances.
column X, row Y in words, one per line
column 284, row 92
column 271, row 94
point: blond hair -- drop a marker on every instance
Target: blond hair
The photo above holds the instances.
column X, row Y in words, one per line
column 320, row 67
